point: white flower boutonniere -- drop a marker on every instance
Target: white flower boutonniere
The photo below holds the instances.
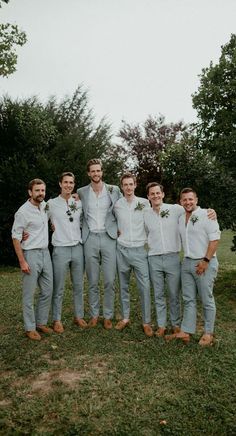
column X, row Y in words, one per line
column 110, row 189
column 194, row 219
column 165, row 213
column 139, row 206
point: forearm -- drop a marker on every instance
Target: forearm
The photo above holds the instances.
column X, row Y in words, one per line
column 211, row 249
column 18, row 250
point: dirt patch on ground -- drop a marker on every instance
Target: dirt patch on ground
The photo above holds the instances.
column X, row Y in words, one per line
column 46, row 381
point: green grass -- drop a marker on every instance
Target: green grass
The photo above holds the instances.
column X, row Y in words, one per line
column 98, row 382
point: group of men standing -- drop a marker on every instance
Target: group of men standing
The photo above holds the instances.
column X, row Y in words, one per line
column 102, row 230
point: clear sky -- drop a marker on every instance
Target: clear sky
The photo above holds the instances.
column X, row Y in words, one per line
column 136, row 57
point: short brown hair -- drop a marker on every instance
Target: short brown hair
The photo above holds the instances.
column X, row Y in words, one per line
column 93, row 162
column 35, row 182
column 152, row 184
column 66, row 173
column 186, row 190
column 127, row 176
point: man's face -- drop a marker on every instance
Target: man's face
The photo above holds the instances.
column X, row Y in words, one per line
column 128, row 187
column 95, row 173
column 37, row 194
column 155, row 196
column 189, row 201
column 67, row 185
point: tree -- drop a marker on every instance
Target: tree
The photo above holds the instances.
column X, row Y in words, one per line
column 215, row 102
column 144, row 145
column 42, row 141
column 10, row 36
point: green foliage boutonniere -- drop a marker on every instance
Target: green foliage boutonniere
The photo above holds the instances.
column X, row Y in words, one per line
column 73, row 207
column 194, row 219
column 46, row 208
column 139, row 206
column 165, row 213
column 110, row 189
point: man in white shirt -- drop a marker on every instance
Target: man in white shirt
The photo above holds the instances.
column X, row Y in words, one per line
column 34, row 259
column 131, row 252
column 99, row 234
column 64, row 213
column 200, row 237
column 161, row 223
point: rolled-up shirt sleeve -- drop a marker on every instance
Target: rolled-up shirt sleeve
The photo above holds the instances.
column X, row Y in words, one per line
column 18, row 226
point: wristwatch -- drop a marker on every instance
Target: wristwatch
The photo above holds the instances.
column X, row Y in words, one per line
column 206, row 259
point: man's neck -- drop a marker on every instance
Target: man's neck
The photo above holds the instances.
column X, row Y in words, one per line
column 129, row 198
column 65, row 196
column 157, row 207
column 97, row 187
column 35, row 203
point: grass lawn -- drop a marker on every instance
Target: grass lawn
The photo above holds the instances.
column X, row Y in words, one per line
column 98, row 382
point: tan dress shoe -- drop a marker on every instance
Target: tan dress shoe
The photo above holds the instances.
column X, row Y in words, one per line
column 44, row 329
column 206, row 340
column 81, row 323
column 33, row 335
column 93, row 322
column 176, row 329
column 148, row 330
column 107, row 324
column 160, row 332
column 185, row 337
column 58, row 327
column 121, row 325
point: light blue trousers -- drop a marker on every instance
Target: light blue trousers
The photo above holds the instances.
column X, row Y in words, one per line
column 193, row 284
column 166, row 267
column 64, row 259
column 100, row 252
column 40, row 275
column 135, row 259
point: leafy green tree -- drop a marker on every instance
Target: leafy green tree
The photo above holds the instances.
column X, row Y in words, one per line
column 215, row 102
column 42, row 141
column 145, row 144
column 10, row 37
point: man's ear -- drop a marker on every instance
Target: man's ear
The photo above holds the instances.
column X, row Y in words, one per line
column 30, row 192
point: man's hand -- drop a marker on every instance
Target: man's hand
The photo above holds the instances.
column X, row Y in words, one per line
column 211, row 214
column 201, row 267
column 25, row 235
column 24, row 266
column 75, row 196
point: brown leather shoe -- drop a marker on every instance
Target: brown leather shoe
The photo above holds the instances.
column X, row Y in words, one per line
column 58, row 327
column 148, row 330
column 44, row 329
column 81, row 323
column 185, row 337
column 107, row 324
column 121, row 325
column 176, row 329
column 160, row 332
column 32, row 334
column 93, row 322
column 206, row 340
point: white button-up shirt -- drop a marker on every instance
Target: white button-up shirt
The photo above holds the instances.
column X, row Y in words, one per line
column 130, row 220
column 197, row 234
column 98, row 206
column 67, row 233
column 33, row 220
column 162, row 229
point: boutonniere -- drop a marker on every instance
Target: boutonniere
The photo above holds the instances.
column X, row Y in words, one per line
column 46, row 208
column 165, row 213
column 194, row 219
column 73, row 207
column 110, row 189
column 139, row 206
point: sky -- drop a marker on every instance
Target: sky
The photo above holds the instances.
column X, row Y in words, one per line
column 135, row 57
